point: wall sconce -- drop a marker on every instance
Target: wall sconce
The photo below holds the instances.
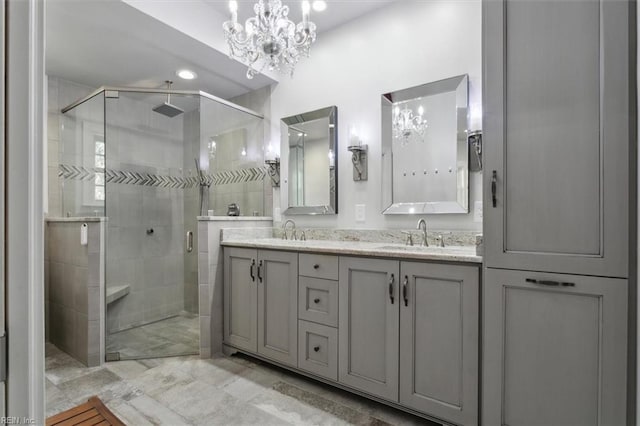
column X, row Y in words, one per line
column 475, row 150
column 273, row 169
column 359, row 157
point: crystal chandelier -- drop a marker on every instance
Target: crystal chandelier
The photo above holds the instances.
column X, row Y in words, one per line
column 407, row 125
column 269, row 39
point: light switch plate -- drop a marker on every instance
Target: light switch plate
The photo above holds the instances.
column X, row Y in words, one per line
column 477, row 211
column 361, row 212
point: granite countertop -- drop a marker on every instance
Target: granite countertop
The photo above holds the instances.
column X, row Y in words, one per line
column 378, row 249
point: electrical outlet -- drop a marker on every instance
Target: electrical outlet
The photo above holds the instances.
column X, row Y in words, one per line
column 361, row 213
column 477, row 211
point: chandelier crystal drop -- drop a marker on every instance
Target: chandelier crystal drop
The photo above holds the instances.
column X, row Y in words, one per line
column 407, row 126
column 269, row 39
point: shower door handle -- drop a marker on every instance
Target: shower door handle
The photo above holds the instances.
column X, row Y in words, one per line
column 189, row 241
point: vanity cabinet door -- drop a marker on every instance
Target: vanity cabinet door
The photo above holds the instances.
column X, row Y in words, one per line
column 554, row 354
column 439, row 330
column 368, row 321
column 277, row 277
column 240, row 298
column 557, row 131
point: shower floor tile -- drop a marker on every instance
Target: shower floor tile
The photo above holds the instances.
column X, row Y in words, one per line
column 190, row 391
column 173, row 336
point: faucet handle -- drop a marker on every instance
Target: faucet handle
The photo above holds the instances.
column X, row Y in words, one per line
column 409, row 238
column 284, row 234
column 303, row 237
column 294, row 236
column 440, row 241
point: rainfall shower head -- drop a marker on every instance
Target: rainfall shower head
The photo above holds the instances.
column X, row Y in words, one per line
column 167, row 108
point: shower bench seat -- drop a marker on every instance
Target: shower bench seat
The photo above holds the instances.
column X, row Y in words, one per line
column 117, row 292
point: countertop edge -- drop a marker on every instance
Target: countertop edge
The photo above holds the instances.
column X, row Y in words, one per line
column 459, row 258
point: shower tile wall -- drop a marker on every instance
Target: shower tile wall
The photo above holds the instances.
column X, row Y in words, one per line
column 60, row 93
column 74, row 292
column 145, row 245
column 249, row 196
column 253, row 196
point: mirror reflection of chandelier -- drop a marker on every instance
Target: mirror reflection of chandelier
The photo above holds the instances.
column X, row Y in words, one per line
column 406, row 125
column 269, row 39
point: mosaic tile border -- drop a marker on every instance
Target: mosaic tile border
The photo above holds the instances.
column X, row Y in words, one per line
column 87, row 174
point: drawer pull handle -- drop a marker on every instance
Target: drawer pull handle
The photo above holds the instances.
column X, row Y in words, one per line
column 316, row 349
column 405, row 292
column 260, row 271
column 494, row 188
column 391, row 281
column 550, row 283
column 316, row 301
column 316, row 266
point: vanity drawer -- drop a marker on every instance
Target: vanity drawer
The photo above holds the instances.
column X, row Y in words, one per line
column 318, row 349
column 318, row 266
column 318, row 300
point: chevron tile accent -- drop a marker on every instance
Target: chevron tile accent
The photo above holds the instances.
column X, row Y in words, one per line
column 87, row 174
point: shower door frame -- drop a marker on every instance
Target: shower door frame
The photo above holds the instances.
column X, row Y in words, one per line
column 160, row 92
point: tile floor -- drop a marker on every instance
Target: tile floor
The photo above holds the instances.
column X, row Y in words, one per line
column 222, row 391
column 173, row 336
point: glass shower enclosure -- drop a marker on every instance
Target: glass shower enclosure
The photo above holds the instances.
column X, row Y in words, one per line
column 151, row 162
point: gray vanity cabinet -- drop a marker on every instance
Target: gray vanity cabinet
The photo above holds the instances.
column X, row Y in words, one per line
column 439, row 332
column 554, row 355
column 261, row 302
column 408, row 333
column 557, row 132
column 240, row 299
column 278, row 306
column 368, row 321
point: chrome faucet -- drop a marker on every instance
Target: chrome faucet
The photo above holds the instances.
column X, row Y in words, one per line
column 422, row 225
column 293, row 229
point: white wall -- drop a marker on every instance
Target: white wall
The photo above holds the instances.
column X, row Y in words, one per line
column 399, row 46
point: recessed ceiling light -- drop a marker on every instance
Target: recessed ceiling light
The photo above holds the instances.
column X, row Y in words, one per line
column 319, row 5
column 186, row 74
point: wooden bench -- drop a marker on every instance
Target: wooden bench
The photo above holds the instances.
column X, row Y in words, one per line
column 91, row 413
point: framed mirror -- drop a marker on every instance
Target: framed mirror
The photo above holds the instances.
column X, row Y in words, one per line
column 312, row 143
column 425, row 155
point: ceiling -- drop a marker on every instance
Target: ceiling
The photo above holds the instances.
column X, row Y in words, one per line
column 337, row 13
column 109, row 43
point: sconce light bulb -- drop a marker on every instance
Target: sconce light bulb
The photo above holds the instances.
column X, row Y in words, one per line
column 244, row 152
column 233, row 6
column 306, row 7
column 420, row 110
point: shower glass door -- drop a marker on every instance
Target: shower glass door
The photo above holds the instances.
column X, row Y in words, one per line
column 151, row 203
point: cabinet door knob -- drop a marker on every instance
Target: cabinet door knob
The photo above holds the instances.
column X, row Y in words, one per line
column 316, row 266
column 316, row 349
column 316, row 300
